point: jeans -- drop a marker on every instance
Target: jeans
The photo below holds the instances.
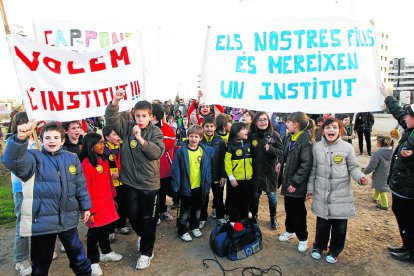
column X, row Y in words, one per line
column 271, row 197
column 21, row 244
column 336, row 228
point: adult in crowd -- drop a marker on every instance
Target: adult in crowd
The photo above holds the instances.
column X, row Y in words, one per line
column 180, row 106
column 401, row 179
column 363, row 126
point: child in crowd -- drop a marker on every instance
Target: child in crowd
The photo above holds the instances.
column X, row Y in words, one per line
column 55, row 191
column 247, row 118
column 219, row 179
column 166, row 159
column 102, row 192
column 223, row 126
column 349, row 132
column 21, row 244
column 182, row 131
column 295, row 168
column 73, row 136
column 172, row 123
column 334, row 163
column 319, row 130
column 266, row 150
column 238, row 166
column 112, row 153
column 140, row 170
column 191, row 180
column 198, row 110
column 380, row 166
column 178, row 118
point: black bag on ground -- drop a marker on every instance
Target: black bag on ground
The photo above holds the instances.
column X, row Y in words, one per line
column 236, row 245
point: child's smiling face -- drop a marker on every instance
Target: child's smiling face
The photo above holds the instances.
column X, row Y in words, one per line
column 52, row 141
column 331, row 132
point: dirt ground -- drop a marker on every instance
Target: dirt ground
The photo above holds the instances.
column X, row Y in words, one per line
column 364, row 254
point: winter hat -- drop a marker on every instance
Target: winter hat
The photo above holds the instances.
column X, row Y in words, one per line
column 409, row 109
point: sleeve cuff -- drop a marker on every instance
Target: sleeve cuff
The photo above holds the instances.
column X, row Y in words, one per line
column 231, row 177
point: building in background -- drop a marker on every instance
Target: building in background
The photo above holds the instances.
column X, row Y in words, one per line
column 383, row 52
column 401, row 74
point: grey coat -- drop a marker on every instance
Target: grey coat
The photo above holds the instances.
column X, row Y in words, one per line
column 330, row 179
column 380, row 164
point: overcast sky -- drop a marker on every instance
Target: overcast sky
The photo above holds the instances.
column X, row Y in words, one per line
column 183, row 24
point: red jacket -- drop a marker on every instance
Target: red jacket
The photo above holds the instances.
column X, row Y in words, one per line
column 193, row 112
column 102, row 192
column 169, row 141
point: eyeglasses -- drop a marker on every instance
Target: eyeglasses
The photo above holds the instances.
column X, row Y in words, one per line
column 263, row 120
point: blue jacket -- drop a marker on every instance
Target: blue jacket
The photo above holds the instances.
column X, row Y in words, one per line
column 54, row 188
column 181, row 171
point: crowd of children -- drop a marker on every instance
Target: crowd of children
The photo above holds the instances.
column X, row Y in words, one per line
column 154, row 151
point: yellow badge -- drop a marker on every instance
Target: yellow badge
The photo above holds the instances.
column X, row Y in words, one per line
column 72, row 169
column 133, row 144
column 239, row 152
column 99, row 168
column 254, row 143
column 111, row 157
column 338, row 159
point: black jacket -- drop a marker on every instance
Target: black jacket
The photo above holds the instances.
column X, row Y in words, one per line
column 364, row 121
column 264, row 162
column 217, row 166
column 401, row 177
column 296, row 164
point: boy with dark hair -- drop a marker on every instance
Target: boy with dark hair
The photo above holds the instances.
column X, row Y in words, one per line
column 191, row 179
column 73, row 137
column 158, row 119
column 218, row 174
column 140, row 163
column 54, row 192
column 112, row 152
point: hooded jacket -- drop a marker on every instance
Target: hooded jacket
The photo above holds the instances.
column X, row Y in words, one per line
column 54, row 188
column 140, row 165
column 401, row 177
column 330, row 179
column 380, row 164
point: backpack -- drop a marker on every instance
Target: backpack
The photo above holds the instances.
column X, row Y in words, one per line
column 225, row 241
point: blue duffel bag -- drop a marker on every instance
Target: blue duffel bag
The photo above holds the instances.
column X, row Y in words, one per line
column 236, row 245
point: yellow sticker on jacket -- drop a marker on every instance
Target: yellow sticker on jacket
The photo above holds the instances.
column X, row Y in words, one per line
column 72, row 169
column 99, row 168
column 254, row 143
column 111, row 157
column 133, row 144
column 338, row 158
column 239, row 152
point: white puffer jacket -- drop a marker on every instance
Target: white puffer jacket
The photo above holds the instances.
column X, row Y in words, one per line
column 330, row 179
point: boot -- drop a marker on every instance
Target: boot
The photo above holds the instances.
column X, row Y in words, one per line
column 273, row 222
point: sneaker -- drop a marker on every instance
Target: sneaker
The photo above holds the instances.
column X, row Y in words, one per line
column 62, row 248
column 96, row 270
column 158, row 221
column 286, row 236
column 303, row 246
column 111, row 256
column 54, row 255
column 213, row 213
column 316, row 253
column 166, row 216
column 112, row 238
column 139, row 243
column 221, row 221
column 197, row 233
column 24, row 267
column 123, row 231
column 381, row 207
column 331, row 258
column 186, row 237
column 202, row 224
column 144, row 261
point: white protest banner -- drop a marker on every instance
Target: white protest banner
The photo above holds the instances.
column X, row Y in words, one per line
column 285, row 65
column 64, row 85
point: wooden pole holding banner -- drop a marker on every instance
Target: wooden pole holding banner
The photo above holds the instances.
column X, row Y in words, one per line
column 7, row 30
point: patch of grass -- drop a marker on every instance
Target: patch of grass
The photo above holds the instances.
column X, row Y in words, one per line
column 7, row 216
